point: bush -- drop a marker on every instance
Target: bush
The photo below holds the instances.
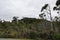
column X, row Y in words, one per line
column 56, row 36
column 33, row 35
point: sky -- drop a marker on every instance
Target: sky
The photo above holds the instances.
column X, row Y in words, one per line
column 23, row 8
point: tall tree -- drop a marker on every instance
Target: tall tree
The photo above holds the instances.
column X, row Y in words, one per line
column 15, row 19
column 46, row 10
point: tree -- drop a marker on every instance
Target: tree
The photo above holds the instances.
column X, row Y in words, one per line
column 46, row 10
column 15, row 19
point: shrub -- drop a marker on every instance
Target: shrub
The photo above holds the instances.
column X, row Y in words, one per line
column 56, row 36
column 33, row 35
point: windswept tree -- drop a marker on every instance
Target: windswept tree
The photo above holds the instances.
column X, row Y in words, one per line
column 44, row 11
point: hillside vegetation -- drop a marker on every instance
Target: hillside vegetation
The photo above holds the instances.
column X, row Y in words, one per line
column 29, row 28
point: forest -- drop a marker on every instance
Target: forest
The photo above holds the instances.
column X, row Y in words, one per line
column 33, row 28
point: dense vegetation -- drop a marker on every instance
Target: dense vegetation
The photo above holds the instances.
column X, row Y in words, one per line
column 32, row 28
column 29, row 28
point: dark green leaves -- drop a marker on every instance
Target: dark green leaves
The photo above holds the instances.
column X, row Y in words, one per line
column 44, row 7
column 54, row 8
column 58, row 3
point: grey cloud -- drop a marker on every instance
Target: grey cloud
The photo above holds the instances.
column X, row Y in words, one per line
column 21, row 8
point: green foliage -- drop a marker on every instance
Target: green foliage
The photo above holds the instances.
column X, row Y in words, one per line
column 58, row 2
column 56, row 36
column 44, row 7
column 26, row 28
column 33, row 35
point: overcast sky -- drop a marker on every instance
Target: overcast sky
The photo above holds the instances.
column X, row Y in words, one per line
column 22, row 8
